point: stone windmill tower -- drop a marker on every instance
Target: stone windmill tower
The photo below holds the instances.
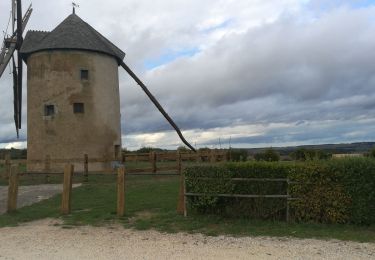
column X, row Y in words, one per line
column 72, row 92
column 73, row 99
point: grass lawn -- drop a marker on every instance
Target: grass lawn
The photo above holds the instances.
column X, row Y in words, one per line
column 151, row 204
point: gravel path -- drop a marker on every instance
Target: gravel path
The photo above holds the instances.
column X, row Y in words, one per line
column 28, row 195
column 44, row 240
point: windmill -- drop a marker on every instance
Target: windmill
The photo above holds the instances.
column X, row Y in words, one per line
column 72, row 66
column 10, row 52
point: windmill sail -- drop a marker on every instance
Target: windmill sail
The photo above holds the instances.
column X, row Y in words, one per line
column 10, row 46
column 15, row 94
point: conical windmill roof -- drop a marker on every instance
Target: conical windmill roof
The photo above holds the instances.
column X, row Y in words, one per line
column 72, row 34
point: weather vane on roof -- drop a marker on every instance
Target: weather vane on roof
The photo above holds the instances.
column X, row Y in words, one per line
column 74, row 7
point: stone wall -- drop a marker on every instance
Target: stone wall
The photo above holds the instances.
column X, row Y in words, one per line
column 54, row 78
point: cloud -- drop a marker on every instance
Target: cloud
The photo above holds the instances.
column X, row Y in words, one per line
column 219, row 67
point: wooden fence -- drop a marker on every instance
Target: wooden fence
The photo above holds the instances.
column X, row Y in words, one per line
column 66, row 198
column 68, row 175
column 12, row 171
column 154, row 162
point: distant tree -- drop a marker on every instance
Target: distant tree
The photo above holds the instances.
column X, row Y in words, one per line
column 323, row 155
column 303, row 154
column 182, row 148
column 238, row 155
column 148, row 149
column 269, row 155
column 204, row 149
column 13, row 153
column 371, row 153
column 298, row 155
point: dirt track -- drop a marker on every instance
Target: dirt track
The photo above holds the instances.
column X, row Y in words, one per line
column 44, row 240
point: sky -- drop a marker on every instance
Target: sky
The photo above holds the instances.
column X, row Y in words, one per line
column 244, row 73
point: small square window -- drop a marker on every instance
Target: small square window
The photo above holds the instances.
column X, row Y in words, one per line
column 78, row 108
column 49, row 110
column 84, row 74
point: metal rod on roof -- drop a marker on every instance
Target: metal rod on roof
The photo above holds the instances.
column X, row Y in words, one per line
column 157, row 104
column 74, row 7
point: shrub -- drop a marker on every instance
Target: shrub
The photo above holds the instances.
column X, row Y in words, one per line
column 303, row 154
column 357, row 176
column 321, row 196
column 335, row 191
column 238, row 155
column 371, row 153
column 268, row 155
column 219, row 182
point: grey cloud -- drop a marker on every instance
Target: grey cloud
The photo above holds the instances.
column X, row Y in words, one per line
column 299, row 69
column 290, row 65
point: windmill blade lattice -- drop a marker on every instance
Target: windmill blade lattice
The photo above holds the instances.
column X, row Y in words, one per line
column 10, row 47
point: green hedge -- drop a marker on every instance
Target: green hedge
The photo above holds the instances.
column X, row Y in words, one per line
column 335, row 191
column 220, row 183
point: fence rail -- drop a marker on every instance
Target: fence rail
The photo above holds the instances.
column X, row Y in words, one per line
column 173, row 159
column 184, row 193
column 12, row 171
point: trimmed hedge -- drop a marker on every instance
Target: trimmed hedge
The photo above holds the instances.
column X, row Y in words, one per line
column 334, row 191
column 250, row 207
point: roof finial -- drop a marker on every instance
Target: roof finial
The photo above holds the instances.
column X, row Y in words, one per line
column 74, row 7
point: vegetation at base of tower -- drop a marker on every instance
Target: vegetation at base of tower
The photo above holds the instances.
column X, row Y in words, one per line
column 94, row 204
column 334, row 191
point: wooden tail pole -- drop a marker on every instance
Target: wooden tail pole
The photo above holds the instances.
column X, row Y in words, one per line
column 121, row 191
column 13, row 189
column 67, row 189
column 157, row 104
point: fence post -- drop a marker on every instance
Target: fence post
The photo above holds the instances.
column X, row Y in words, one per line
column 123, row 158
column 179, row 162
column 86, row 168
column 153, row 161
column 67, row 189
column 225, row 155
column 181, row 194
column 199, row 158
column 212, row 156
column 120, row 191
column 287, row 201
column 12, row 189
column 7, row 166
column 47, row 167
column 184, row 192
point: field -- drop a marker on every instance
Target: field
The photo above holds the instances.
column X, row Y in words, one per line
column 151, row 204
